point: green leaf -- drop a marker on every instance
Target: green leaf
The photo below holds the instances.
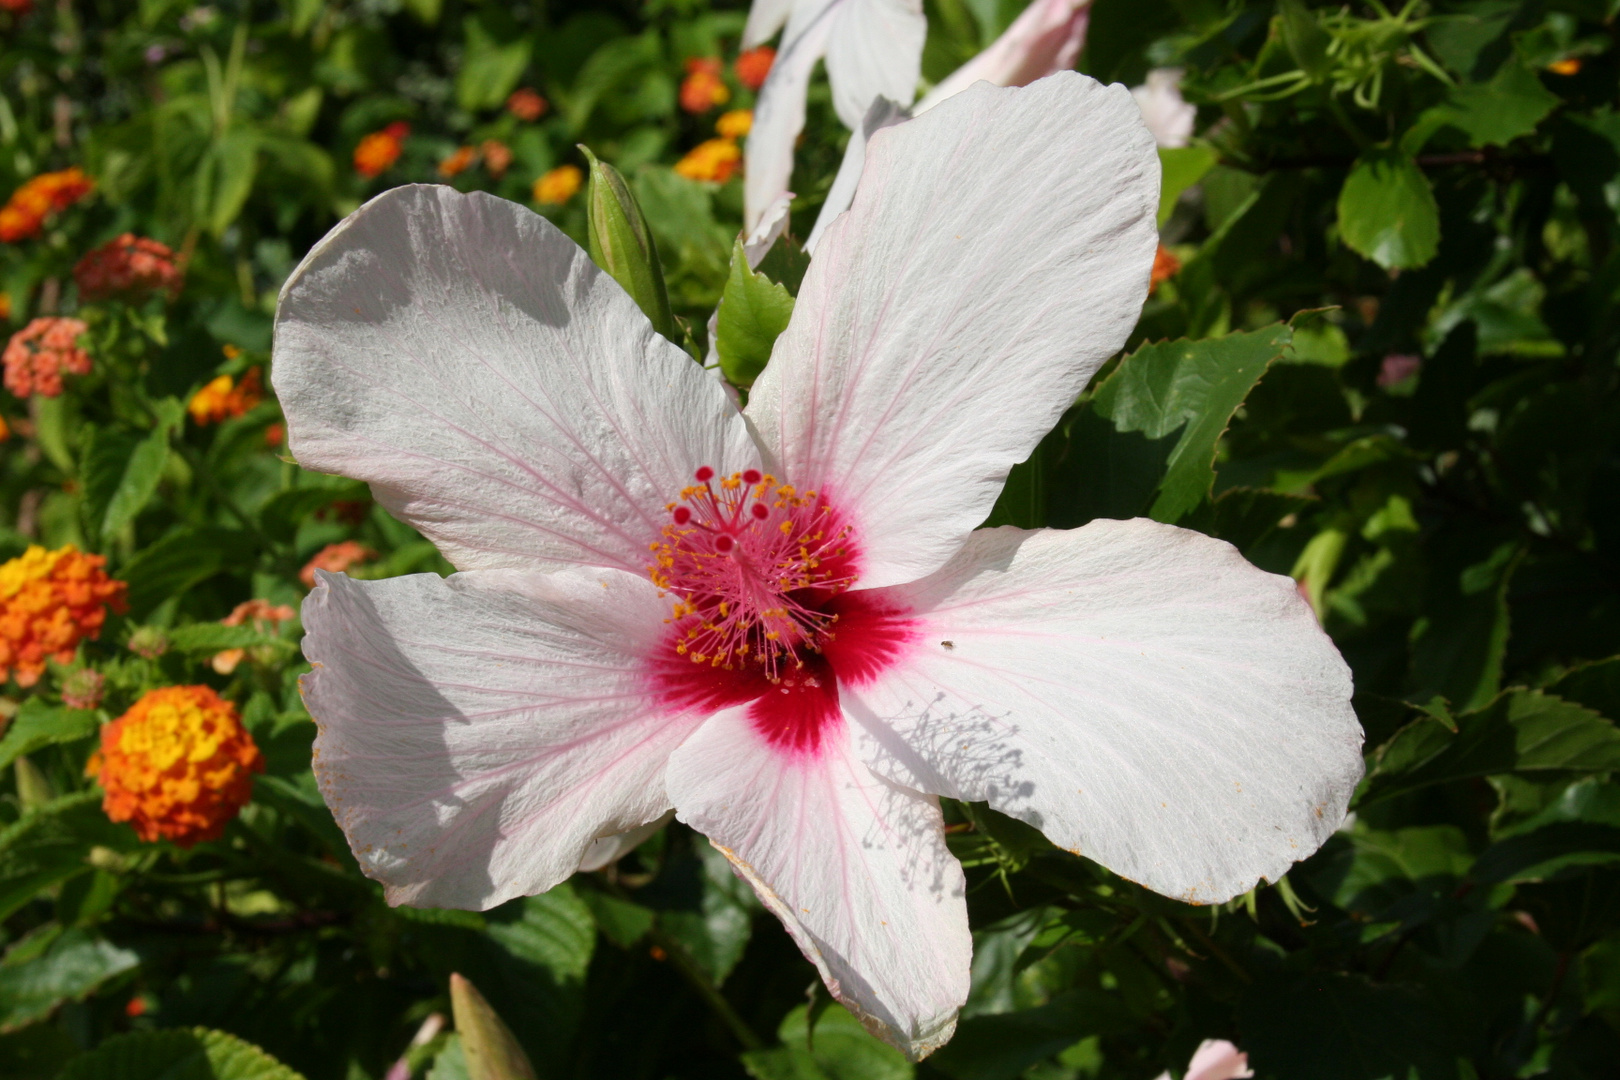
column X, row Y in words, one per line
column 1521, row 731
column 555, row 930
column 622, row 922
column 754, row 310
column 198, row 1054
column 621, row 242
column 1343, row 1027
column 236, row 157
column 49, row 843
column 37, row 1052
column 1496, row 112
column 38, row 975
column 1459, row 646
column 1387, row 211
column 1541, row 853
column 835, row 1048
column 1003, row 1045
column 451, row 1062
column 121, row 473
column 38, row 725
column 285, row 511
column 1307, row 42
column 1597, row 686
column 716, row 934
column 181, row 559
column 1193, row 387
column 494, row 58
column 1180, row 168
column 210, row 638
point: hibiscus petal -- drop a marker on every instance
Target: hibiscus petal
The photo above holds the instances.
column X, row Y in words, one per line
column 997, row 252
column 607, row 849
column 883, row 113
column 855, row 867
column 779, row 115
column 497, row 390
column 478, row 732
column 765, row 18
column 1138, row 692
column 874, row 50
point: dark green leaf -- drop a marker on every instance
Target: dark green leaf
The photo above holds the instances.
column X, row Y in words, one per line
column 754, row 310
column 1597, row 686
column 493, row 62
column 180, row 560
column 1002, row 1046
column 1522, row 731
column 555, row 931
column 836, row 1048
column 198, row 1054
column 1387, row 211
column 1306, row 40
column 1497, row 112
column 38, row 975
column 1181, row 168
column 1192, row 387
column 1543, row 852
column 37, row 725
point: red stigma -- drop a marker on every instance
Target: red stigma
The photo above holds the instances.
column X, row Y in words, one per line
column 723, row 543
column 752, row 476
column 682, row 515
column 704, row 475
column 761, row 511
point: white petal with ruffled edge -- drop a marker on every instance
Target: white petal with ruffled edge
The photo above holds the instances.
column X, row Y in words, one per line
column 478, row 732
column 1138, row 692
column 981, row 273
column 497, row 390
column 855, row 867
column 874, row 50
column 1046, row 38
column 765, row 18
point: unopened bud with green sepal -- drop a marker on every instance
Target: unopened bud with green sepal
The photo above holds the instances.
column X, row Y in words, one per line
column 622, row 244
column 491, row 1050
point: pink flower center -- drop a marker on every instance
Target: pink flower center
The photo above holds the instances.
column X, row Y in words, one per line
column 760, row 573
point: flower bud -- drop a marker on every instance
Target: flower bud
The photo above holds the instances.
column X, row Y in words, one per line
column 622, row 244
column 83, row 689
column 491, row 1050
column 148, row 642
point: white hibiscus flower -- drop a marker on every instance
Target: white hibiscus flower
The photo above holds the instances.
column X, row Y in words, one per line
column 781, row 623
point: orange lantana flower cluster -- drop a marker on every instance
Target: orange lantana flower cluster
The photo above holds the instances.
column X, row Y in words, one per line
column 752, row 66
column 130, row 267
column 526, row 104
column 703, row 89
column 178, row 765
column 335, row 558
column 25, row 212
column 379, row 150
column 49, row 602
column 39, row 354
column 495, row 155
column 266, row 619
column 223, row 398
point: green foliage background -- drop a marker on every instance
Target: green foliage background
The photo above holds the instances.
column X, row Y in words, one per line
column 1438, row 183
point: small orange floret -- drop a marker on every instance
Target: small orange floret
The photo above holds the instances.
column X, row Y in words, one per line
column 378, row 151
column 458, row 162
column 526, row 104
column 1569, row 65
column 178, row 765
column 715, row 159
column 223, row 399
column 40, row 353
column 49, row 602
column 703, row 89
column 753, row 65
column 335, row 558
column 5, row 305
column 24, row 214
column 1165, row 267
column 5, row 430
column 497, row 157
column 559, row 185
column 130, row 267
